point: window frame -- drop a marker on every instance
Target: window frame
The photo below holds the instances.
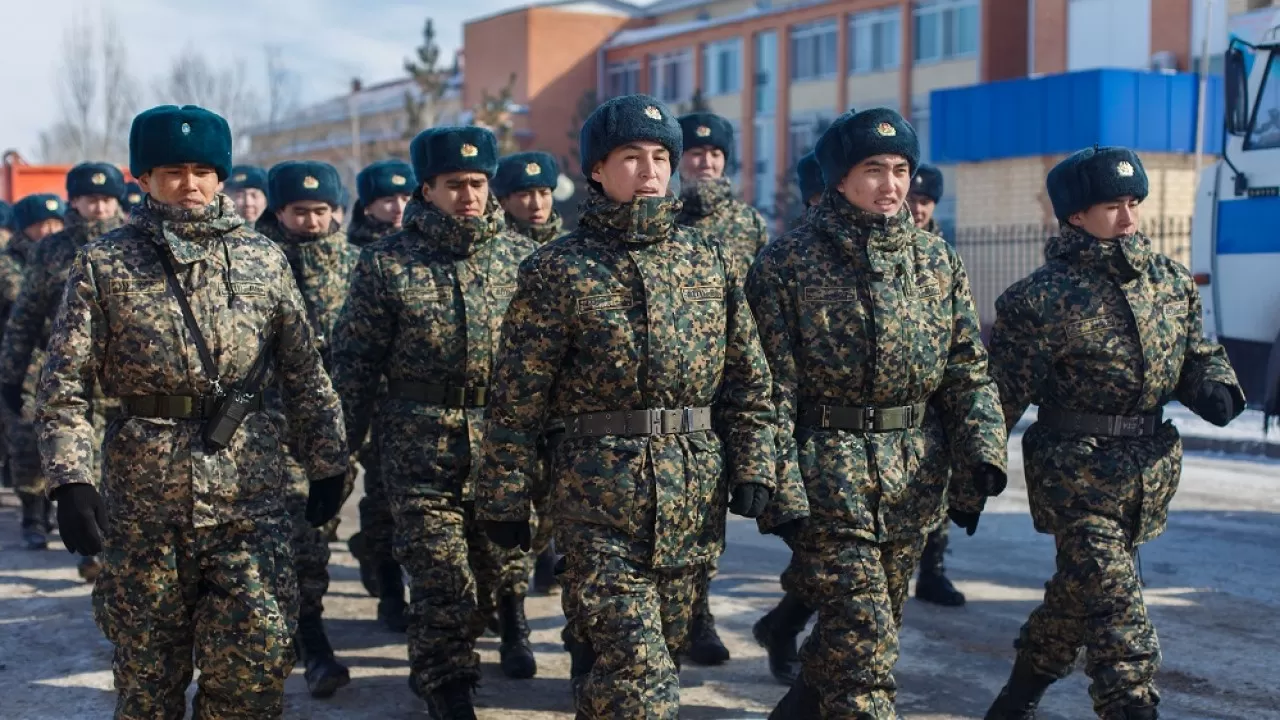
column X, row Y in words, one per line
column 814, row 32
column 947, row 45
column 873, row 21
column 660, row 64
column 628, row 68
column 713, row 67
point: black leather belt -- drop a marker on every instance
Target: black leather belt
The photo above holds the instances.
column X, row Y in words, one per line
column 177, row 407
column 1070, row 421
column 659, row 421
column 451, row 396
column 862, row 419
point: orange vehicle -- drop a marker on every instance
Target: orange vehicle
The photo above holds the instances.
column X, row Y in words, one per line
column 19, row 179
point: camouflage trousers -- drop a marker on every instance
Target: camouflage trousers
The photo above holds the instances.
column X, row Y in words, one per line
column 310, row 545
column 375, row 507
column 858, row 588
column 225, row 594
column 636, row 619
column 455, row 573
column 1094, row 601
column 23, row 452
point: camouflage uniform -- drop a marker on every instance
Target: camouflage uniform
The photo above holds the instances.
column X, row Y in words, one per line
column 710, row 206
column 426, row 308
column 196, row 553
column 862, row 310
column 1108, row 328
column 630, row 311
column 23, row 461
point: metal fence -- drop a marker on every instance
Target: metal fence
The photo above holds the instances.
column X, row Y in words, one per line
column 998, row 256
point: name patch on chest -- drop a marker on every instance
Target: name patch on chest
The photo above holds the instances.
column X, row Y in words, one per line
column 702, row 294
column 608, row 301
column 1092, row 325
column 502, row 291
column 928, row 288
column 1176, row 309
column 425, row 293
column 135, row 287
column 248, row 289
column 830, row 294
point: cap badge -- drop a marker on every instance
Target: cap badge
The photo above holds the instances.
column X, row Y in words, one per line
column 886, row 130
column 186, row 128
column 98, row 179
column 1124, row 169
column 532, row 168
column 51, row 204
column 310, row 183
column 468, row 150
column 135, row 198
column 398, row 180
column 703, row 131
column 239, row 177
column 653, row 113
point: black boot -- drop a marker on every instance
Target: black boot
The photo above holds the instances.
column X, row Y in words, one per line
column 777, row 632
column 35, row 522
column 517, row 661
column 1020, row 697
column 323, row 671
column 800, row 703
column 705, row 646
column 544, row 572
column 391, row 605
column 451, row 701
column 359, row 547
column 933, row 586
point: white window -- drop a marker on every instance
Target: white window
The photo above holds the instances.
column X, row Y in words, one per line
column 813, row 50
column 945, row 29
column 722, row 68
column 874, row 40
column 623, row 78
column 1111, row 34
column 671, row 76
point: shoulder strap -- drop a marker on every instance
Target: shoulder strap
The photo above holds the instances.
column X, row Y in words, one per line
column 206, row 358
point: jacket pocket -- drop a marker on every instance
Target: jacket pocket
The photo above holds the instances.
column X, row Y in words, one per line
column 604, row 481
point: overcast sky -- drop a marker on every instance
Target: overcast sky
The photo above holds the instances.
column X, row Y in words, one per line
column 325, row 42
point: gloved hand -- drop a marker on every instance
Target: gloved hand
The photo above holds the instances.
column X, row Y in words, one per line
column 325, row 499
column 11, row 393
column 966, row 520
column 749, row 500
column 510, row 534
column 989, row 480
column 1215, row 404
column 789, row 530
column 82, row 518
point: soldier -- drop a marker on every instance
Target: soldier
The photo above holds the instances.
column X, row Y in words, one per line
column 880, row 376
column 524, row 184
column 634, row 331
column 1100, row 338
column 182, row 314
column 926, row 193
column 247, row 187
column 94, row 191
column 425, row 310
column 35, row 217
column 384, row 188
column 300, row 221
column 132, row 197
column 6, row 220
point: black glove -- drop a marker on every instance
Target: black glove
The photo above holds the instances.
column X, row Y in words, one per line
column 966, row 520
column 82, row 518
column 989, row 480
column 788, row 530
column 325, row 499
column 749, row 500
column 12, row 395
column 1214, row 403
column 510, row 534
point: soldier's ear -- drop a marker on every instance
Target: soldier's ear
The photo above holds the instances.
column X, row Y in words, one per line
column 144, row 182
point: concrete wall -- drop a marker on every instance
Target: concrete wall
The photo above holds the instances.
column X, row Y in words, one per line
column 874, row 89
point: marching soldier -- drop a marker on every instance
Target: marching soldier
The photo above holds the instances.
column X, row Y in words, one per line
column 634, row 332
column 926, row 193
column 880, row 379
column 1101, row 337
column 425, row 310
column 184, row 314
column 247, row 187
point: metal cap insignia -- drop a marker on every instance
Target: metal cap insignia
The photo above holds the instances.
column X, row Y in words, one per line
column 703, row 131
column 1124, row 169
column 240, row 177
column 398, row 180
column 310, row 183
column 186, row 128
column 51, row 204
column 886, row 130
column 98, row 179
column 135, row 198
column 653, row 113
column 532, row 169
column 469, row 150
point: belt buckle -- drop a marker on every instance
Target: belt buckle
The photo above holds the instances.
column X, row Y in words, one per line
column 1127, row 425
column 686, row 420
column 479, row 395
column 868, row 418
column 824, row 417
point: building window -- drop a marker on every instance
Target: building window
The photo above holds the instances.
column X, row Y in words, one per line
column 623, row 78
column 873, row 41
column 722, row 68
column 804, row 133
column 766, row 179
column 671, row 76
column 813, row 51
column 766, row 72
column 945, row 29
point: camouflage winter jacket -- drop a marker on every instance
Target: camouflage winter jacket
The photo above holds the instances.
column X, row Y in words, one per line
column 1109, row 328
column 711, row 207
column 13, row 264
column 863, row 310
column 121, row 324
column 426, row 306
column 540, row 234
column 630, row 312
column 365, row 230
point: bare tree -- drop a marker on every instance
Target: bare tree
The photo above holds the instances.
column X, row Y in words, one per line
column 192, row 80
column 494, row 113
column 120, row 91
column 80, row 80
column 432, row 82
column 282, row 87
column 697, row 104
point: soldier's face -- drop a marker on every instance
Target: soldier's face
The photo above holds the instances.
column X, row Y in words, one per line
column 702, row 163
column 187, row 186
column 921, row 208
column 460, row 194
column 306, row 217
column 532, row 206
column 878, row 184
column 639, row 169
column 389, row 209
column 1109, row 220
column 96, row 207
column 43, row 229
column 250, row 203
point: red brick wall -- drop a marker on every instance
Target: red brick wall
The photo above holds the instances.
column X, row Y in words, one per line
column 1171, row 30
column 1004, row 39
column 1050, row 36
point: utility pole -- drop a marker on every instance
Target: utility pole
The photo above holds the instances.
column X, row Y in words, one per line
column 354, row 114
column 1202, row 94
